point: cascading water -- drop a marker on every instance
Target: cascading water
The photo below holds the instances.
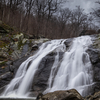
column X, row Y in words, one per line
column 73, row 71
column 21, row 84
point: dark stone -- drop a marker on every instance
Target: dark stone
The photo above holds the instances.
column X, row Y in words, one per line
column 18, row 62
column 5, row 78
column 8, row 72
column 94, row 55
column 34, row 47
column 11, row 68
column 68, row 42
column 40, row 95
column 97, row 74
column 25, row 50
column 96, row 87
column 4, row 70
column 43, row 72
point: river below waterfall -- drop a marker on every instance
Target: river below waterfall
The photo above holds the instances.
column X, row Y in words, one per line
column 74, row 70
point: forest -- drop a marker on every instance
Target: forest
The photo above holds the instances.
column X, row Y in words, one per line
column 48, row 18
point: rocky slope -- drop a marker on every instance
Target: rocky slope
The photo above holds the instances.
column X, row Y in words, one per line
column 16, row 47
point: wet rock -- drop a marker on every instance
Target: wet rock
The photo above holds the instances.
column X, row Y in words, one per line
column 96, row 87
column 34, row 47
column 97, row 74
column 43, row 72
column 94, row 55
column 68, row 42
column 61, row 95
column 25, row 50
column 5, row 78
column 33, row 94
column 17, row 63
column 11, row 68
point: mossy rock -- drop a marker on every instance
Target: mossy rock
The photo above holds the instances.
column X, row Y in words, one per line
column 20, row 44
column 96, row 44
column 2, row 44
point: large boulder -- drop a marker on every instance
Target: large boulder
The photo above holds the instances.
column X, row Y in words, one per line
column 61, row 95
column 41, row 77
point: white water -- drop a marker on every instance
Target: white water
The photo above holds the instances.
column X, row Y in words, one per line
column 74, row 71
column 21, row 84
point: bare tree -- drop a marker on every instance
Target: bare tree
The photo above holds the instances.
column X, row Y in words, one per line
column 78, row 17
column 96, row 12
column 63, row 19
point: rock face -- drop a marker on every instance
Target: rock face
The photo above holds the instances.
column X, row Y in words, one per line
column 61, row 95
column 41, row 77
column 94, row 53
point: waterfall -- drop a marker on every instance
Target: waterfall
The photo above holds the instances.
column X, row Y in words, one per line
column 73, row 71
column 22, row 82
